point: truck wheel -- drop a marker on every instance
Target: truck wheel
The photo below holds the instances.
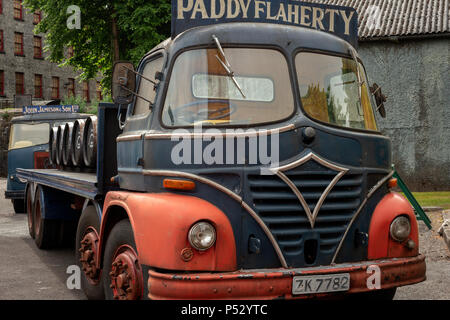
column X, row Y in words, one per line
column 86, row 252
column 122, row 273
column 46, row 232
column 19, row 205
column 30, row 214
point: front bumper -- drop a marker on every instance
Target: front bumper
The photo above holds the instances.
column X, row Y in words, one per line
column 277, row 283
column 15, row 195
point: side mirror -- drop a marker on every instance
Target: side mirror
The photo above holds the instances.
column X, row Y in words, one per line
column 380, row 99
column 123, row 82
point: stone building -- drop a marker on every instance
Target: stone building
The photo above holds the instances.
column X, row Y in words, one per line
column 405, row 48
column 23, row 65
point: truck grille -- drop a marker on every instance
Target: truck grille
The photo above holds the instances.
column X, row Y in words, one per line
column 284, row 215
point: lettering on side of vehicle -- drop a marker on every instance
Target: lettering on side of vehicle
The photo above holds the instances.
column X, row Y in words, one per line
column 341, row 21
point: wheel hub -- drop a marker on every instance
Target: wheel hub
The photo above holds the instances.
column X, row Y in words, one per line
column 88, row 255
column 126, row 275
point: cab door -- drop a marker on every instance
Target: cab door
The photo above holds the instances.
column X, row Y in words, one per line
column 130, row 145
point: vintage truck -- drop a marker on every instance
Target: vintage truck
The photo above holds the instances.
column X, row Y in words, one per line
column 186, row 201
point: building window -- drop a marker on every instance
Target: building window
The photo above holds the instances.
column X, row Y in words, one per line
column 2, row 41
column 2, row 83
column 20, row 83
column 18, row 44
column 70, row 52
column 18, row 10
column 37, row 42
column 37, row 16
column 71, row 88
column 99, row 91
column 38, row 86
column 86, row 94
column 55, row 88
column 1, row 6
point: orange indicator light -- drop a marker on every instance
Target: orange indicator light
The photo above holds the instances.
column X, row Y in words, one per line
column 178, row 184
column 392, row 183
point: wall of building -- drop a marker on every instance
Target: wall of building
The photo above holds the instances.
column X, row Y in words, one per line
column 29, row 65
column 414, row 74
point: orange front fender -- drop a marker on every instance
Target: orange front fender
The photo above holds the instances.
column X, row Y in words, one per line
column 161, row 223
column 381, row 245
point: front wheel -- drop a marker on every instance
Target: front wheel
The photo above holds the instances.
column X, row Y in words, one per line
column 86, row 253
column 122, row 272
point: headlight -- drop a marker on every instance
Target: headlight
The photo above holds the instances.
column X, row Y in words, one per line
column 400, row 228
column 202, row 236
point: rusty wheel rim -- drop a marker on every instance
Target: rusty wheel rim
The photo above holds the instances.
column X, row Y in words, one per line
column 88, row 255
column 37, row 218
column 126, row 275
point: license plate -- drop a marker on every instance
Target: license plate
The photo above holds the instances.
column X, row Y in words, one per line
column 321, row 283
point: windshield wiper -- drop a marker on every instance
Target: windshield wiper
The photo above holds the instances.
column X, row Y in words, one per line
column 227, row 66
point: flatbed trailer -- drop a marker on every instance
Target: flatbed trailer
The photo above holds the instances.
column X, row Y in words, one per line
column 165, row 217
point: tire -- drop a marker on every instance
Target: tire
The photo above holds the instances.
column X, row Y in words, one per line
column 88, row 219
column 46, row 232
column 19, row 205
column 121, row 243
column 30, row 213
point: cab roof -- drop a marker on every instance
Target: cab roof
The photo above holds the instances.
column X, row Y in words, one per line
column 285, row 37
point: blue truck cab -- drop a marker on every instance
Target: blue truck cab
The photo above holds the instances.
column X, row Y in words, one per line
column 28, row 149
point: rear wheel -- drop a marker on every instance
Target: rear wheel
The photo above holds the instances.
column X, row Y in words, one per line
column 122, row 273
column 19, row 205
column 30, row 206
column 87, row 240
column 46, row 232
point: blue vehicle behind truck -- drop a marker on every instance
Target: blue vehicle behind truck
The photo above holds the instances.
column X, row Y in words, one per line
column 28, row 149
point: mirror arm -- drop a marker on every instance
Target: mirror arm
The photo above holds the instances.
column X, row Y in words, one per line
column 141, row 75
column 137, row 95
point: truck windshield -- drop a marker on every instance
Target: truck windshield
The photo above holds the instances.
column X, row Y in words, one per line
column 27, row 135
column 201, row 90
column 330, row 92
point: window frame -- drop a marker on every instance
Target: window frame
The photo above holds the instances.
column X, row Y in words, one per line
column 37, row 17
column 39, row 47
column 15, row 9
column 86, row 91
column 40, row 95
column 2, row 83
column 57, row 88
column 339, row 55
column 291, row 75
column 22, row 76
column 152, row 57
column 2, row 41
column 71, row 87
column 21, row 37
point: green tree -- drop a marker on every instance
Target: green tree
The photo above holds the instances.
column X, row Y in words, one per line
column 110, row 31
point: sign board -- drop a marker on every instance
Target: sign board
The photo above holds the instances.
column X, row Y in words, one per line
column 21, row 100
column 337, row 20
column 48, row 109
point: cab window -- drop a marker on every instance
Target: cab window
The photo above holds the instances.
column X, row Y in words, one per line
column 28, row 135
column 330, row 92
column 146, row 88
column 201, row 91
